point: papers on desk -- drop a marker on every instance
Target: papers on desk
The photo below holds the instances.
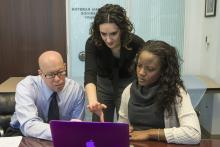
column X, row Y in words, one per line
column 10, row 141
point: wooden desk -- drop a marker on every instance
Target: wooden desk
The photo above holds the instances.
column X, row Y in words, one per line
column 198, row 85
column 212, row 86
column 203, row 143
column 9, row 85
column 195, row 82
column 33, row 142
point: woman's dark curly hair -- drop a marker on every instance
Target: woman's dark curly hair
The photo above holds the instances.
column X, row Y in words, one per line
column 110, row 13
column 169, row 81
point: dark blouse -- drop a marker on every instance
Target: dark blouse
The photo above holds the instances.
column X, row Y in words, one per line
column 100, row 60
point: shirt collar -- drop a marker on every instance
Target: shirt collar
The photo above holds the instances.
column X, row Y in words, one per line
column 45, row 89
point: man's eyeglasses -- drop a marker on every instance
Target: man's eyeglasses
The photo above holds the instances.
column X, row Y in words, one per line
column 58, row 73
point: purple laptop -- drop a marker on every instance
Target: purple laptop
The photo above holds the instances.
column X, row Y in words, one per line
column 89, row 134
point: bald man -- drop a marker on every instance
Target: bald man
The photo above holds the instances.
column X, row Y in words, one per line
column 33, row 96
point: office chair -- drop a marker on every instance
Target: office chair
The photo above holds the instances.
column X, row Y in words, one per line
column 7, row 108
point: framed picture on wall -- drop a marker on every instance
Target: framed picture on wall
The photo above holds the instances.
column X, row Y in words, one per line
column 210, row 8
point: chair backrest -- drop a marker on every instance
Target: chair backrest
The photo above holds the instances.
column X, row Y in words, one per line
column 7, row 108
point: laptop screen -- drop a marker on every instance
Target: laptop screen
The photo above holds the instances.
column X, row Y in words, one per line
column 89, row 134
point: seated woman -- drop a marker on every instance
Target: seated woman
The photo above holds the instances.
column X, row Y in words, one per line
column 156, row 105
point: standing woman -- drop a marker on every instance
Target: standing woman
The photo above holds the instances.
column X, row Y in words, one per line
column 110, row 51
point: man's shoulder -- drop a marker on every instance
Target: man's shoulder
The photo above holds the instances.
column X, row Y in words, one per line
column 28, row 86
column 29, row 83
column 72, row 83
column 72, row 88
column 30, row 79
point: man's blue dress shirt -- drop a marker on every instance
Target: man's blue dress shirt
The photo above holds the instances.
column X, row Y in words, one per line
column 32, row 103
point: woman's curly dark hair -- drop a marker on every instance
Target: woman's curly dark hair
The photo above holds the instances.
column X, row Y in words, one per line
column 170, row 79
column 110, row 13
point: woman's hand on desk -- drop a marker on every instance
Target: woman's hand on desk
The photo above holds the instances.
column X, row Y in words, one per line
column 139, row 135
column 151, row 134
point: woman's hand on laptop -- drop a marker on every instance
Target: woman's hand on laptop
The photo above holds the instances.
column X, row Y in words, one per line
column 131, row 129
column 96, row 108
column 77, row 120
column 101, row 115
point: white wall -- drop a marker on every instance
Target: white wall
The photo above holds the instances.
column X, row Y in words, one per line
column 210, row 62
column 193, row 37
column 202, row 59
